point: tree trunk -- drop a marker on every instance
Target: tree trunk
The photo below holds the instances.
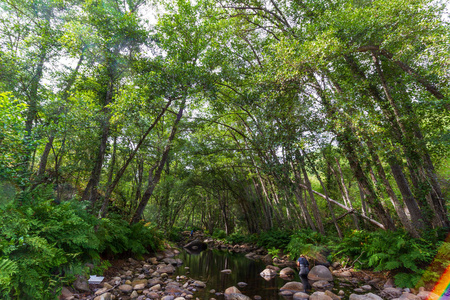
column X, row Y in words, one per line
column 155, row 180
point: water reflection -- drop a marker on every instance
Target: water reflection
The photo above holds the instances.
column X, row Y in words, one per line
column 207, row 266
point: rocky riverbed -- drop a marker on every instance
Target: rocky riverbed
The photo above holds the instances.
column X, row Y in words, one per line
column 153, row 278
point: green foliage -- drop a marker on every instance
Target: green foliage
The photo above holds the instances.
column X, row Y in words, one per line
column 51, row 243
column 273, row 252
column 274, row 238
column 42, row 240
column 386, row 251
column 219, row 234
column 239, row 238
column 307, row 242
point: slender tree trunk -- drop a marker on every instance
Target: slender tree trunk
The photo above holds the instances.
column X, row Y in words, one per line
column 155, row 180
column 315, row 208
column 336, row 225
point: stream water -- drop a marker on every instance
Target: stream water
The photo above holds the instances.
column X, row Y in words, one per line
column 207, row 265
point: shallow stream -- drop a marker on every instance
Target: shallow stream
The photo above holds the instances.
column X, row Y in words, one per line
column 207, row 265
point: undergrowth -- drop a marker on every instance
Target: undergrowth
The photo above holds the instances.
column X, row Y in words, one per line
column 44, row 245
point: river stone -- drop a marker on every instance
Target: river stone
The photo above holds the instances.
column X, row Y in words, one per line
column 81, row 284
column 156, row 287
column 154, row 281
column 332, row 295
column 134, row 295
column 299, row 296
column 293, row 286
column 286, row 293
column 241, row 284
column 287, row 272
column 359, row 290
column 320, row 273
column 276, row 269
column 163, row 268
column 168, row 298
column 368, row 296
column 366, row 287
column 139, row 281
column 427, row 295
column 105, row 296
column 232, row 290
column 199, row 284
column 268, row 273
column 321, row 284
column 66, row 294
column 153, row 260
column 101, row 291
column 140, row 286
column 342, row 274
column 319, row 296
column 391, row 292
column 409, row 296
column 125, row 288
column 152, row 295
column 170, row 261
column 237, row 296
column 226, row 271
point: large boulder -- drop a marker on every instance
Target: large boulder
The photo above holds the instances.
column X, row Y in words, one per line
column 287, row 272
column 196, row 245
column 268, row 273
column 232, row 290
column 293, row 286
column 320, row 296
column 368, row 296
column 81, row 284
column 391, row 292
column 320, row 273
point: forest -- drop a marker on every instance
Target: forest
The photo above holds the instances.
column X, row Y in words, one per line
column 287, row 123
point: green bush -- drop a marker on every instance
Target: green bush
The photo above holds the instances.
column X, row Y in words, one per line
column 386, row 251
column 39, row 244
column 307, row 242
column 219, row 234
column 274, row 238
column 43, row 245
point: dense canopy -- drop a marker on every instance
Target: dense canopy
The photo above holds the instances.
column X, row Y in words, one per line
column 235, row 115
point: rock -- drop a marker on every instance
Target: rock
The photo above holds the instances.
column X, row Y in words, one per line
column 359, row 290
column 286, row 293
column 276, row 269
column 366, row 287
column 168, row 298
column 232, row 290
column 237, row 296
column 257, row 297
column 368, row 296
column 427, row 295
column 409, row 296
column 320, row 273
column 180, row 298
column 335, row 265
column 391, row 292
column 154, row 281
column 134, row 295
column 293, row 287
column 196, row 245
column 155, row 288
column 125, row 288
column 268, row 273
column 153, row 260
column 212, row 291
column 332, row 295
column 250, row 255
column 140, row 286
column 153, row 295
column 287, row 272
column 341, row 293
column 320, row 296
column 81, row 284
column 299, row 296
column 342, row 274
column 139, row 281
column 105, row 296
column 170, row 261
column 389, row 283
column 66, row 294
column 226, row 271
column 163, row 268
column 321, row 284
column 199, row 284
column 101, row 291
column 242, row 284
